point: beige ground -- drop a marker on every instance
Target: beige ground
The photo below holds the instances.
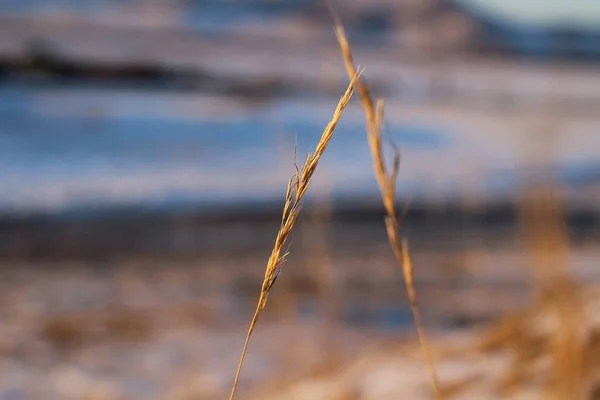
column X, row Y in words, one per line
column 66, row 334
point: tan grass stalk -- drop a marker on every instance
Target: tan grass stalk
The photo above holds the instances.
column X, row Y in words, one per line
column 387, row 185
column 296, row 189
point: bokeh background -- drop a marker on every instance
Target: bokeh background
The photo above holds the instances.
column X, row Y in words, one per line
column 145, row 146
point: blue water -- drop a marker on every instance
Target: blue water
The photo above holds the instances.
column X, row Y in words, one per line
column 29, row 141
column 71, row 156
column 117, row 135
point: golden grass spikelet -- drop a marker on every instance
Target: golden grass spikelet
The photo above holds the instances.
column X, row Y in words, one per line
column 296, row 189
column 387, row 184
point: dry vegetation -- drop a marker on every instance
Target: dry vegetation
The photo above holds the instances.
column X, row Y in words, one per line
column 296, row 189
column 387, row 184
column 298, row 185
column 552, row 346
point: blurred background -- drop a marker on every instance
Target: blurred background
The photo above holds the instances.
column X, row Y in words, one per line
column 145, row 146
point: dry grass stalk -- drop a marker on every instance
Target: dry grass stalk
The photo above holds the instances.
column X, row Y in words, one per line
column 296, row 189
column 387, row 184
